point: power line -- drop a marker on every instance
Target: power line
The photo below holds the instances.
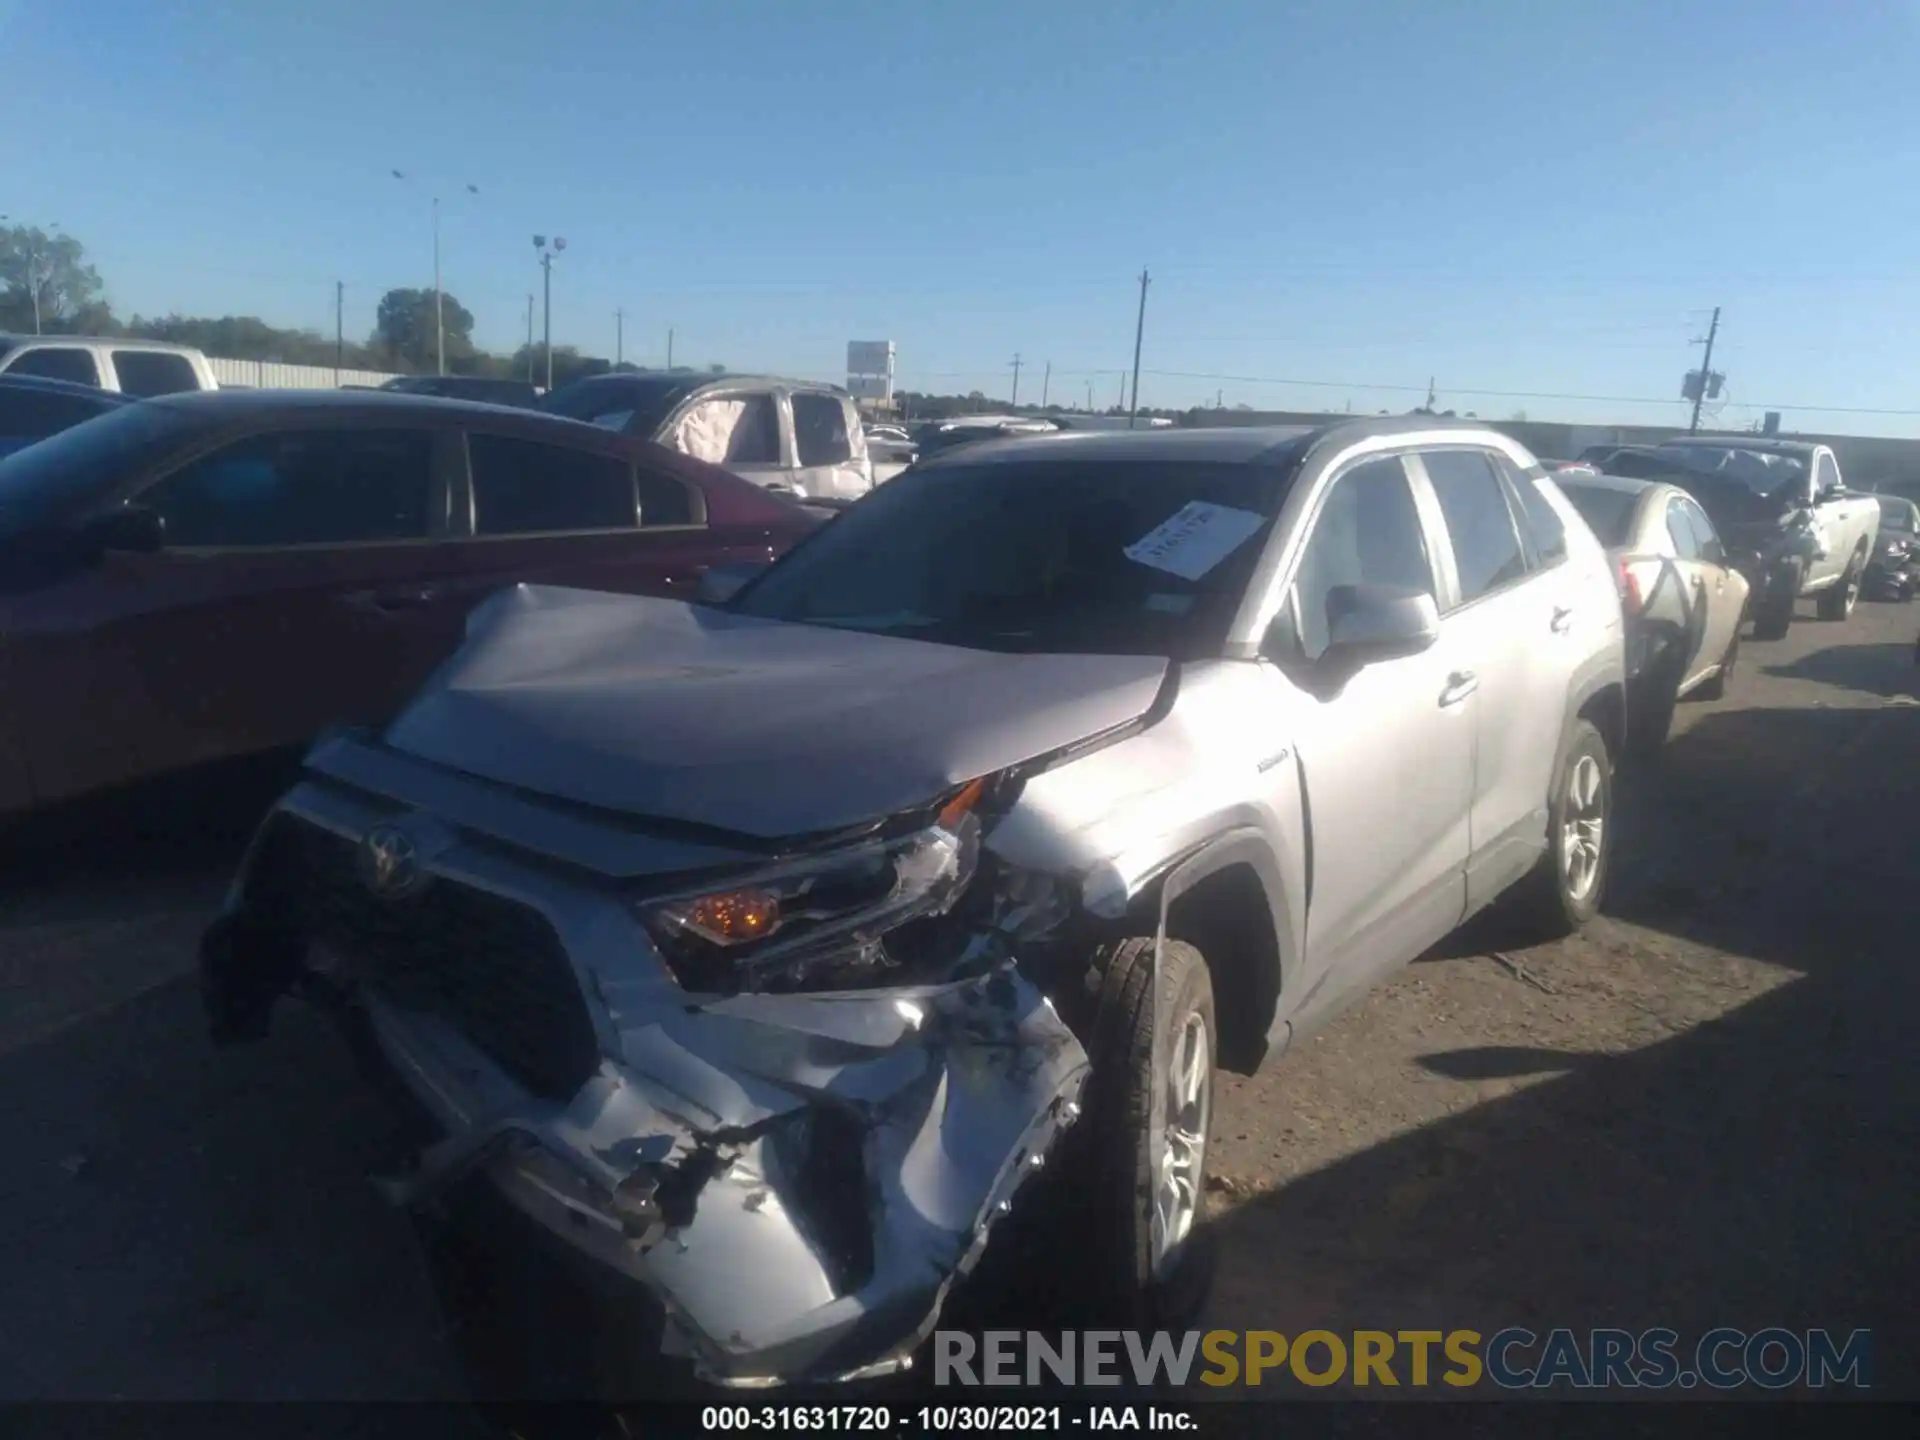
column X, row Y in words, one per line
column 1518, row 394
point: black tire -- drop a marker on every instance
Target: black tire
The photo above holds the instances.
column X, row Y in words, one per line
column 1837, row 601
column 1107, row 1199
column 1547, row 904
column 1651, row 718
column 1773, row 615
column 1715, row 688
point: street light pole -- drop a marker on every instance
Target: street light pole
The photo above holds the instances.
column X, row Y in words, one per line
column 547, row 252
column 439, row 317
column 439, row 292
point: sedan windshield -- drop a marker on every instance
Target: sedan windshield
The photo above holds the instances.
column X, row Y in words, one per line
column 1034, row 556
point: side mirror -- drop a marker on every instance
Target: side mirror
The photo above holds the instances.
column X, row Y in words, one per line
column 720, row 583
column 130, row 529
column 1371, row 623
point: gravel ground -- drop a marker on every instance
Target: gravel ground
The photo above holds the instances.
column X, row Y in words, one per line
column 1703, row 1112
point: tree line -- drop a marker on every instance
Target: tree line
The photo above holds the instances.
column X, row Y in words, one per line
column 48, row 284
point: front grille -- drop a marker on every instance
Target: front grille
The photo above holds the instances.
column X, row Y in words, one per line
column 492, row 967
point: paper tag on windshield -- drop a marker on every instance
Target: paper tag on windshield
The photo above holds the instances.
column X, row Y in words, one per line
column 1197, row 538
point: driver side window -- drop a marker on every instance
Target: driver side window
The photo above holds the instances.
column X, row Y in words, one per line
column 1368, row 532
column 1826, row 476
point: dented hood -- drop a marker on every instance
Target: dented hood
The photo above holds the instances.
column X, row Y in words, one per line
column 681, row 712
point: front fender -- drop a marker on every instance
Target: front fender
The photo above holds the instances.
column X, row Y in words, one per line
column 1246, row 846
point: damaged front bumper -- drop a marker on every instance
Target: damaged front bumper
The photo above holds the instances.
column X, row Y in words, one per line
column 798, row 1179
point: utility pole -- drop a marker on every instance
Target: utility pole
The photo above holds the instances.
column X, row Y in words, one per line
column 546, row 276
column 1139, row 332
column 619, row 337
column 1089, row 397
column 439, row 320
column 669, row 349
column 339, row 329
column 1430, row 395
column 1015, row 402
column 529, row 339
column 1706, row 370
column 1046, row 384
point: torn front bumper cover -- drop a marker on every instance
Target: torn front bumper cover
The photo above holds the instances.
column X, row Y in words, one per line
column 798, row 1179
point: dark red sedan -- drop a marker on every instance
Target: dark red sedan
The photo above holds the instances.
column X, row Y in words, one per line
column 221, row 574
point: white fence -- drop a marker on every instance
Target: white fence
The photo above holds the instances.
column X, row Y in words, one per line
column 271, row 375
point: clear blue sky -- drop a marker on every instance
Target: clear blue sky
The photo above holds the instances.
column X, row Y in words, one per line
column 1507, row 196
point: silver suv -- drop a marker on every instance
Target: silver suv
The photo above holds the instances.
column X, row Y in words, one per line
column 796, row 437
column 764, row 950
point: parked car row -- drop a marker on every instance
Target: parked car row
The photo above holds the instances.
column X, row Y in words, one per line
column 761, row 949
column 207, row 576
column 778, row 913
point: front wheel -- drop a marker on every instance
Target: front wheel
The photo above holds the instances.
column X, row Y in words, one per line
column 1567, row 885
column 1136, row 1208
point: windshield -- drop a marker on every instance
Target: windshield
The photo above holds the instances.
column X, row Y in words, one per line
column 1608, row 512
column 1759, row 472
column 634, row 404
column 1898, row 514
column 1033, row 557
column 64, row 476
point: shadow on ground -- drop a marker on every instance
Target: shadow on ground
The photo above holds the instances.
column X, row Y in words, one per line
column 1870, row 669
column 1758, row 1170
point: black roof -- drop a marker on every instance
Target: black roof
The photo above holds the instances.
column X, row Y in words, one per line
column 1761, row 444
column 216, row 404
column 65, row 387
column 692, row 380
column 1223, row 444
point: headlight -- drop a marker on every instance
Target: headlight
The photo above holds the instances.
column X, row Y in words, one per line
column 822, row 919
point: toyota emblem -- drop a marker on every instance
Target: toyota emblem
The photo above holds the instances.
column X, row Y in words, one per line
column 390, row 862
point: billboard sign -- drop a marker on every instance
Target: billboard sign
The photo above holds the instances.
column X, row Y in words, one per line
column 869, row 387
column 870, row 357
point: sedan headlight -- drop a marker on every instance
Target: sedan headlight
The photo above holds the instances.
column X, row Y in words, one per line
column 822, row 919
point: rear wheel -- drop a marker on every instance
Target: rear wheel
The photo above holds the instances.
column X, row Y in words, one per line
column 1654, row 698
column 1565, row 889
column 1773, row 615
column 1837, row 603
column 1716, row 687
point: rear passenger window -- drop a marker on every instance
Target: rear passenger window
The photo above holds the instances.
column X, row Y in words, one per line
column 1368, row 532
column 524, row 487
column 820, row 430
column 327, row 487
column 1545, row 531
column 1486, row 547
column 148, row 373
column 57, row 362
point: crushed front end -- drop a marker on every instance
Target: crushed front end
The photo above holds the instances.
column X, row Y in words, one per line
column 788, row 1093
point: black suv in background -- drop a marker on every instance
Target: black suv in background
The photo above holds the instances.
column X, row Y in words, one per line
column 468, row 387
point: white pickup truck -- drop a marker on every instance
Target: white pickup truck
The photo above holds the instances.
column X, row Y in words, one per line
column 1788, row 520
column 142, row 368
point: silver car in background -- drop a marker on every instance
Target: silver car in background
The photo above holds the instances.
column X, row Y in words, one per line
column 773, row 952
column 1683, row 597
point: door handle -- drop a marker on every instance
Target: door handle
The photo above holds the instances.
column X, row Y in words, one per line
column 1562, row 619
column 1460, row 685
column 389, row 601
